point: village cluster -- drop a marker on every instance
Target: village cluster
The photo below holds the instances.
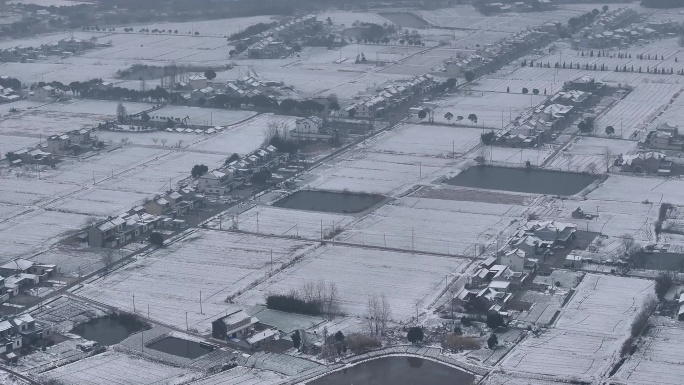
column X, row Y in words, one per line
column 489, row 189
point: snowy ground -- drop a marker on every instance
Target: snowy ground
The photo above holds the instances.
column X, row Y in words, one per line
column 243, row 376
column 492, row 109
column 588, row 333
column 434, row 225
column 217, row 263
column 585, row 151
column 118, row 368
column 404, row 278
column 658, row 358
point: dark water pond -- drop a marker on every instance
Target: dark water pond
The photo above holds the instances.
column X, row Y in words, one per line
column 404, row 19
column 533, row 181
column 397, row 371
column 180, row 347
column 662, row 261
column 111, row 329
column 329, row 201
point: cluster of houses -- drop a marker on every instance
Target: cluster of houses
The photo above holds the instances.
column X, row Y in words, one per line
column 241, row 327
column 649, row 162
column 272, row 43
column 491, row 286
column 161, row 212
column 17, row 332
column 72, row 143
column 391, row 96
column 20, row 273
column 608, row 30
column 64, row 48
column 8, row 95
column 202, row 88
column 491, row 56
column 538, row 125
column 519, row 6
column 664, row 137
column 238, row 172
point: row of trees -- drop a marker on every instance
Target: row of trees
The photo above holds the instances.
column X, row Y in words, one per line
column 603, row 67
column 313, row 298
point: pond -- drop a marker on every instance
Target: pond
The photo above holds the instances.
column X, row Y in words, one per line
column 404, row 19
column 329, row 201
column 397, row 371
column 180, row 347
column 534, row 181
column 111, row 329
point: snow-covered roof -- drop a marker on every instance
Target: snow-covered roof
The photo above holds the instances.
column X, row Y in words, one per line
column 260, row 336
column 18, row 264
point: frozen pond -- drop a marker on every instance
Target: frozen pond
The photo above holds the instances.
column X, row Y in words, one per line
column 397, row 371
column 330, row 202
column 532, row 181
column 110, row 330
column 181, row 347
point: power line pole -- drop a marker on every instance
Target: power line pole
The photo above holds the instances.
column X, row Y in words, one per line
column 201, row 312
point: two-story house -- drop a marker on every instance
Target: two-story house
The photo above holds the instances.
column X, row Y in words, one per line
column 234, row 325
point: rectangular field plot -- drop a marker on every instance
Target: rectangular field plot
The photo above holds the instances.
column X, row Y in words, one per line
column 433, row 225
column 587, row 154
column 359, row 273
column 659, row 359
column 118, row 368
column 588, row 333
column 169, row 280
column 280, row 221
column 493, row 110
column 243, row 376
column 428, row 140
column 624, row 188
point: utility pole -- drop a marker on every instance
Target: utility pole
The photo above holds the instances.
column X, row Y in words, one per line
column 271, row 260
column 412, row 240
column 201, row 312
column 257, row 222
column 186, row 321
column 133, row 302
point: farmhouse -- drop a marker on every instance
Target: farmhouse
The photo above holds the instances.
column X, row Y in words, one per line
column 197, row 82
column 214, row 182
column 23, row 266
column 114, row 232
column 645, row 162
column 234, row 325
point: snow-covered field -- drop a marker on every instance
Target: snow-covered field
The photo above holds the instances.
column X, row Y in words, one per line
column 624, row 188
column 243, row 376
column 587, row 336
column 658, row 359
column 216, row 263
column 434, row 225
column 359, row 273
column 493, row 110
column 583, row 152
column 284, row 222
column 118, row 368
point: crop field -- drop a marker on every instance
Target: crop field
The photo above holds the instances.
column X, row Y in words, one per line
column 583, row 152
column 243, row 376
column 434, row 225
column 280, row 221
column 404, row 278
column 52, row 225
column 493, row 109
column 660, row 357
column 396, row 160
column 626, row 188
column 169, row 280
column 118, row 368
column 244, row 137
column 588, row 333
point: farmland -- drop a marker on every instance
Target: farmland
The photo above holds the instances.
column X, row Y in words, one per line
column 589, row 331
column 222, row 264
column 367, row 272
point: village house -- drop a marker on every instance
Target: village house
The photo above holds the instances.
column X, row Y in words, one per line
column 119, row 230
column 553, row 233
column 664, row 137
column 197, row 82
column 215, row 182
column 19, row 331
column 645, row 162
column 237, row 324
column 23, row 266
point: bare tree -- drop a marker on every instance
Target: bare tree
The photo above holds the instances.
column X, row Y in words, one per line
column 608, row 158
column 107, row 259
column 332, row 304
column 179, row 144
column 155, row 140
column 591, row 167
column 163, row 142
column 372, row 309
column 384, row 313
